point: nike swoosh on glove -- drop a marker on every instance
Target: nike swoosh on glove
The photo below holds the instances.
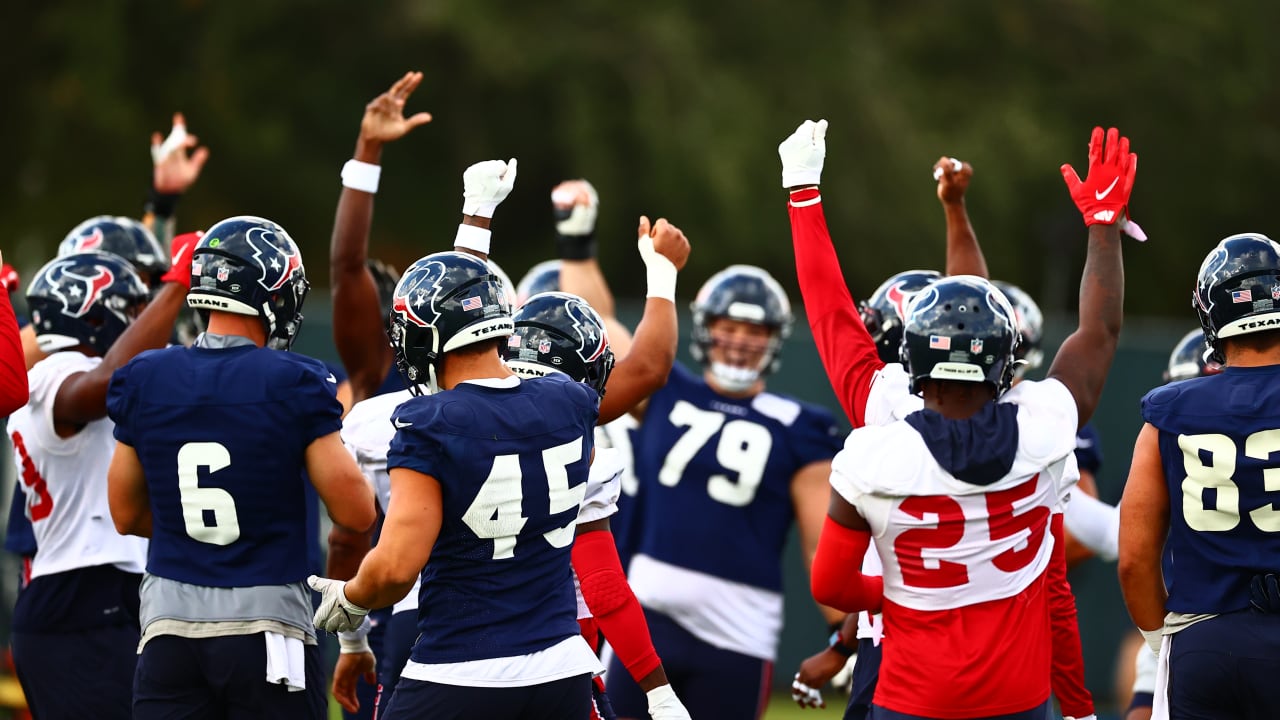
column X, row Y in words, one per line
column 1103, row 196
column 336, row 613
column 180, row 268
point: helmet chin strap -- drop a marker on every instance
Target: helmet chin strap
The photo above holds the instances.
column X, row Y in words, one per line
column 734, row 379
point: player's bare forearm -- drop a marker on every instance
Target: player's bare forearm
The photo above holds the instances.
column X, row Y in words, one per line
column 409, row 531
column 381, row 580
column 647, row 363
column 82, row 398
column 1085, row 357
column 1144, row 525
column 584, row 279
column 127, row 496
column 347, row 548
column 964, row 254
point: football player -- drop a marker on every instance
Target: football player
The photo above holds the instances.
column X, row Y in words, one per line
column 559, row 333
column 887, row 403
column 641, row 370
column 82, row 601
column 487, row 475
column 717, row 456
column 1211, row 611
column 958, row 349
column 211, row 445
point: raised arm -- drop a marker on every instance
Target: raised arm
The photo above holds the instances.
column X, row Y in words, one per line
column 177, row 161
column 847, row 350
column 82, row 397
column 1085, row 357
column 358, row 324
column 964, row 255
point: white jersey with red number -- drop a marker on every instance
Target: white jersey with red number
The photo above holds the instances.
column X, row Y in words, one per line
column 965, row 610
column 65, row 479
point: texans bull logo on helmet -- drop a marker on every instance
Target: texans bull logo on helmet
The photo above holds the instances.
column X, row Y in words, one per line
column 899, row 298
column 592, row 343
column 91, row 241
column 78, row 292
column 410, row 300
column 274, row 273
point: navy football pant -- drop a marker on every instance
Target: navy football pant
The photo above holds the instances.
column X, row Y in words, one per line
column 567, row 699
column 710, row 681
column 866, row 672
column 1039, row 712
column 397, row 645
column 1226, row 668
column 222, row 677
column 85, row 674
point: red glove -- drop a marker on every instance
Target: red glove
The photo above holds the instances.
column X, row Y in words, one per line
column 9, row 279
column 180, row 269
column 1103, row 197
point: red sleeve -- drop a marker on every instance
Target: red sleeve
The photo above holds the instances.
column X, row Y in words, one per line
column 1067, row 677
column 13, row 366
column 847, row 351
column 836, row 578
column 615, row 607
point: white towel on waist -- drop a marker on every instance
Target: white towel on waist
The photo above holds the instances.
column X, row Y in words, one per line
column 286, row 661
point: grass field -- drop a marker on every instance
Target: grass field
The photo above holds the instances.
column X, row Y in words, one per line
column 780, row 708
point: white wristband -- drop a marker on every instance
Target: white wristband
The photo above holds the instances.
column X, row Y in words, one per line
column 361, row 176
column 660, row 273
column 472, row 237
column 355, row 641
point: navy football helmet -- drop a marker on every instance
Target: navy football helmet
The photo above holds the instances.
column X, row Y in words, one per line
column 86, row 298
column 557, row 331
column 884, row 312
column 250, row 266
column 445, row 301
column 1190, row 359
column 1030, row 327
column 543, row 277
column 960, row 328
column 121, row 236
column 1238, row 290
column 748, row 294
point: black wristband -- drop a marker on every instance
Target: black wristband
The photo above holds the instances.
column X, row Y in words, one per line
column 576, row 247
column 161, row 204
column 836, row 643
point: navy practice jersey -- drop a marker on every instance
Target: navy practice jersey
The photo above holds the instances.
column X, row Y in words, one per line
column 1220, row 448
column 512, row 464
column 715, row 473
column 221, row 435
column 1089, row 449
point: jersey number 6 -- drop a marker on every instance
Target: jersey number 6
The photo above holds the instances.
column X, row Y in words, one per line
column 209, row 513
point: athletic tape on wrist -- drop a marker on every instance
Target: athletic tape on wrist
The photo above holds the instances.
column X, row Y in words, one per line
column 473, row 237
column 361, row 176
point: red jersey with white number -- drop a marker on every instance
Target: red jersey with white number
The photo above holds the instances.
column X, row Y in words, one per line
column 959, row 511
column 65, row 479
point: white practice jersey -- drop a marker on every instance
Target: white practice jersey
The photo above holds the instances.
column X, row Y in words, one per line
column 947, row 543
column 65, row 479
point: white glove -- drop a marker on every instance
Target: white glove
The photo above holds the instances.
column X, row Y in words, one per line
column 356, row 641
column 581, row 218
column 664, row 705
column 177, row 136
column 803, row 154
column 336, row 613
column 1086, row 717
column 843, row 680
column 805, row 695
column 485, row 185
